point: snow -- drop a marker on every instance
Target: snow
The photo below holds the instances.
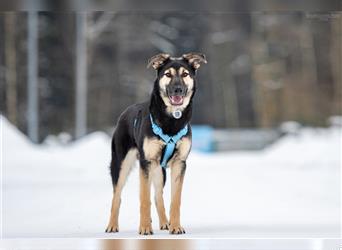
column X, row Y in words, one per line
column 290, row 189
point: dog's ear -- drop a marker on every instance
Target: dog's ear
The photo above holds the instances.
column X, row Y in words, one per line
column 195, row 59
column 157, row 60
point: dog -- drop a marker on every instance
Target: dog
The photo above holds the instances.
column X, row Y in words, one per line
column 158, row 134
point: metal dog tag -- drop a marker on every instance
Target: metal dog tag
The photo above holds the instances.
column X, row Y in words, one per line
column 177, row 114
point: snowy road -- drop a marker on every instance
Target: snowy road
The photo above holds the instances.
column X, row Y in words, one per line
column 289, row 190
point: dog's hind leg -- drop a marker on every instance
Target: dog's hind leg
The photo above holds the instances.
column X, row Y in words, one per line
column 125, row 167
column 158, row 183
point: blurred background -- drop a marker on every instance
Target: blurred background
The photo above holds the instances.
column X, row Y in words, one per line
column 266, row 120
column 76, row 72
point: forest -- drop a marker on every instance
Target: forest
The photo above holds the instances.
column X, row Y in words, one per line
column 264, row 68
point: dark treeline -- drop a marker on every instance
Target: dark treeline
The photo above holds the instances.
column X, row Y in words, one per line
column 263, row 68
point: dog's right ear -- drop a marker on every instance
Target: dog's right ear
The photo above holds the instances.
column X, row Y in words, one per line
column 157, row 60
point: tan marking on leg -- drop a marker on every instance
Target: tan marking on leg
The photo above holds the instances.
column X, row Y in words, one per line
column 184, row 147
column 152, row 149
column 145, row 227
column 157, row 179
column 126, row 166
column 177, row 177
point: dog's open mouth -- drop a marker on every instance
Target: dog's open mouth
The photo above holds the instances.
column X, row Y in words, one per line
column 176, row 99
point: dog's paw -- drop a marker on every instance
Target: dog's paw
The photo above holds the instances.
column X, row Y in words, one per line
column 112, row 228
column 145, row 229
column 164, row 226
column 176, row 229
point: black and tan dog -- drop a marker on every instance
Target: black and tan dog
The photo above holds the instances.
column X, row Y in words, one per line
column 158, row 134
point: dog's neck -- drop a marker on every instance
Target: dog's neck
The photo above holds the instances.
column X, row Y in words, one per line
column 166, row 121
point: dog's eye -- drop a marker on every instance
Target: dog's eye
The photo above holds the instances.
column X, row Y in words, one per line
column 184, row 74
column 167, row 74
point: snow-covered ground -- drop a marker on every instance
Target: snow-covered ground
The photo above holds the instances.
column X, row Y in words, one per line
column 289, row 190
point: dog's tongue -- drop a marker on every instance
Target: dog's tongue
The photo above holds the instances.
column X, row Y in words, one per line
column 176, row 99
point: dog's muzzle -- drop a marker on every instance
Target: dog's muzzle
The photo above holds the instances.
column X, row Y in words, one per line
column 176, row 94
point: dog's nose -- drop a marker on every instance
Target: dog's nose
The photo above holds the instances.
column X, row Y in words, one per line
column 178, row 90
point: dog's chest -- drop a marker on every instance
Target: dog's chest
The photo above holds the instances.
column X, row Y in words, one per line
column 153, row 149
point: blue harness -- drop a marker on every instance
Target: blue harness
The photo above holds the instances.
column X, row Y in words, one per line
column 169, row 140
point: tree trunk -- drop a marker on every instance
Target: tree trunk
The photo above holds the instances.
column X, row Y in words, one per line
column 11, row 73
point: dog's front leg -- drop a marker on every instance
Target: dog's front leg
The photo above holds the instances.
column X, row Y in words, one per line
column 158, row 182
column 145, row 227
column 177, row 177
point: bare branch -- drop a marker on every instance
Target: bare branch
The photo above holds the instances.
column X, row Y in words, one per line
column 95, row 29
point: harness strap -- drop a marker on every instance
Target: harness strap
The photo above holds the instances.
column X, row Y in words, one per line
column 169, row 140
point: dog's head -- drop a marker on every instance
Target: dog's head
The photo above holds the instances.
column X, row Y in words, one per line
column 176, row 78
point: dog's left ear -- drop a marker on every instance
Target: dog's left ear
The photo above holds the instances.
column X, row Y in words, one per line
column 157, row 60
column 195, row 59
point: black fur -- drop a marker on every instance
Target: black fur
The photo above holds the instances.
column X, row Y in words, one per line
column 173, row 91
column 127, row 136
